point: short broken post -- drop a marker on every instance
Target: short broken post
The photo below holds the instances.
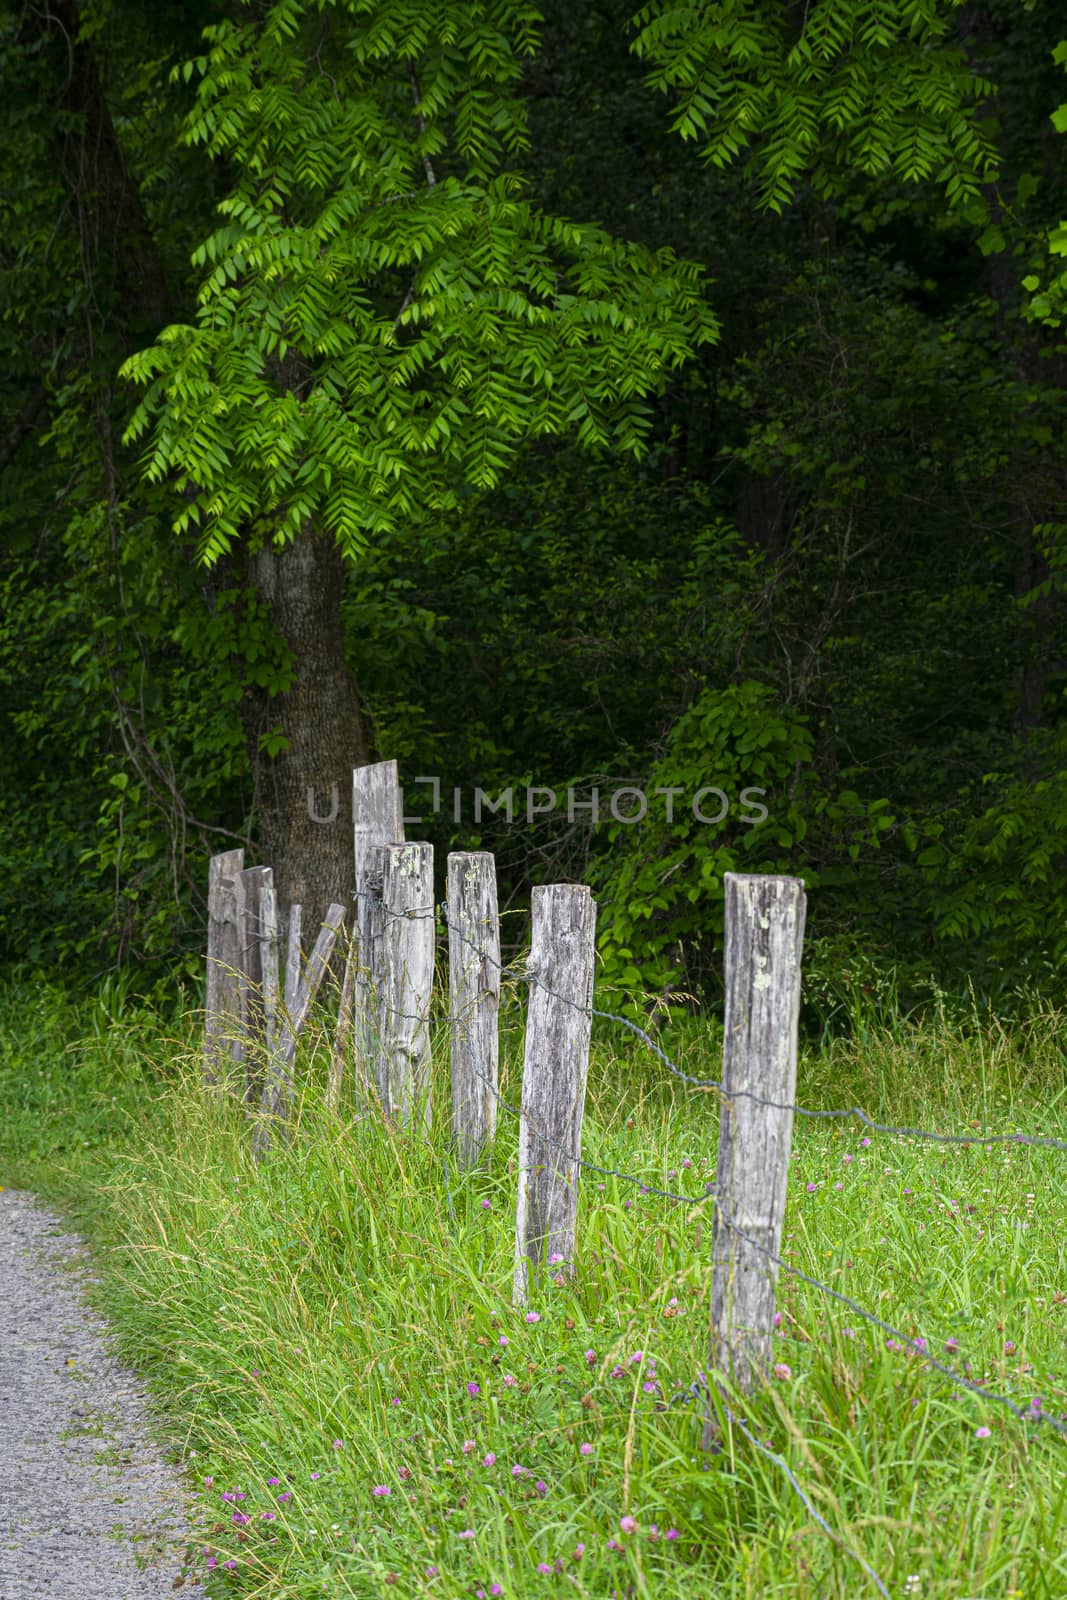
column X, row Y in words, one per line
column 377, row 820
column 407, row 985
column 558, row 1026
column 224, row 1019
column 300, row 991
column 763, row 941
column 474, row 1001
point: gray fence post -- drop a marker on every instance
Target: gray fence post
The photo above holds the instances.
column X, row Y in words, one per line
column 293, row 959
column 224, row 1018
column 378, row 820
column 474, row 1001
column 764, row 938
column 258, row 934
column 554, row 1076
column 407, row 986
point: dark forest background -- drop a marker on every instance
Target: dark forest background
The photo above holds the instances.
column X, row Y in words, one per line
column 835, row 573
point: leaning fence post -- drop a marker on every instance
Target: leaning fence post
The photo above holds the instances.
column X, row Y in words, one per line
column 377, row 820
column 224, row 1020
column 763, row 940
column 474, row 1000
column 558, row 1027
column 408, row 950
column 259, row 976
column 300, row 992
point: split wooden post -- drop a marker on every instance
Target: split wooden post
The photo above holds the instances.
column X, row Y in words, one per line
column 764, row 938
column 378, row 820
column 300, row 992
column 408, row 952
column 293, row 960
column 474, row 1001
column 224, row 1019
column 259, row 977
column 558, row 1027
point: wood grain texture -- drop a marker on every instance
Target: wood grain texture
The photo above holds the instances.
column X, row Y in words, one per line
column 343, row 1032
column 257, row 938
column 553, row 1083
column 408, row 951
column 764, row 939
column 474, row 1001
column 293, row 959
column 377, row 820
column 224, row 1016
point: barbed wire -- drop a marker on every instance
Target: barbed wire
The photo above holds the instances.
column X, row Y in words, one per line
column 1024, row 1415
column 519, row 973
column 699, row 1392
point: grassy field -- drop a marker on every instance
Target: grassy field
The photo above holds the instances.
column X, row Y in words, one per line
column 331, row 1343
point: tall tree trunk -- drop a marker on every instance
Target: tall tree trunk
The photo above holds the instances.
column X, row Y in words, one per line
column 301, row 587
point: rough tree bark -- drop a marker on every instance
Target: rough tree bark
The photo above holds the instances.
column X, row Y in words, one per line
column 304, row 794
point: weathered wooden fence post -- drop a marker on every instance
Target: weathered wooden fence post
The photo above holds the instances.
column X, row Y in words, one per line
column 377, row 820
column 764, row 938
column 558, row 1027
column 293, row 960
column 474, row 1001
column 224, row 1019
column 408, row 951
column 300, row 992
column 259, row 977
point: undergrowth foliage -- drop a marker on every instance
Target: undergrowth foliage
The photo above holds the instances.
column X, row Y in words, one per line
column 363, row 1413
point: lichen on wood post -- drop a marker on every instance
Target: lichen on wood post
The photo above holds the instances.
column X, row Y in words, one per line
column 764, row 937
column 407, row 988
column 555, row 1070
column 474, row 1001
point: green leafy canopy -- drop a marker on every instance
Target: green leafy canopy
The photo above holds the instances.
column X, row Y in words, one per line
column 385, row 318
column 879, row 87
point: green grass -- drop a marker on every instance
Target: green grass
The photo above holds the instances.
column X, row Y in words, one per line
column 318, row 1321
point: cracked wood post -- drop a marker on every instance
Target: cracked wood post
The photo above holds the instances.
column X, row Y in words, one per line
column 408, row 949
column 293, row 960
column 259, row 977
column 474, row 1001
column 558, row 1027
column 224, row 1017
column 378, row 820
column 300, row 992
column 764, row 937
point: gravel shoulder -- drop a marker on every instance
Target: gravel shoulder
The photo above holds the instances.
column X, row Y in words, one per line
column 89, row 1509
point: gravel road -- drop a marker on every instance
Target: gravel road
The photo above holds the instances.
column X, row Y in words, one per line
column 89, row 1509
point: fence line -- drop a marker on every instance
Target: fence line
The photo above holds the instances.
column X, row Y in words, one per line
column 387, row 963
column 520, row 972
column 700, row 1392
column 1024, row 1414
